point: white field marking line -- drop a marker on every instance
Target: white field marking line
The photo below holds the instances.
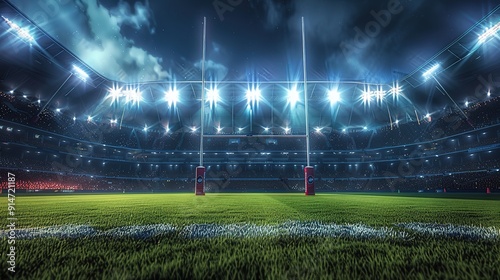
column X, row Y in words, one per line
column 247, row 230
column 453, row 231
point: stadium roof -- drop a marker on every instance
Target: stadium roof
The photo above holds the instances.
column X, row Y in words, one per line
column 145, row 45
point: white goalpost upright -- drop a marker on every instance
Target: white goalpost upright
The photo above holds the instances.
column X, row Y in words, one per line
column 201, row 170
column 308, row 170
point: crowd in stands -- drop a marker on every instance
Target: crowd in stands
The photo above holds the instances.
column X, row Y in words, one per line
column 25, row 111
column 34, row 181
column 470, row 182
column 89, row 155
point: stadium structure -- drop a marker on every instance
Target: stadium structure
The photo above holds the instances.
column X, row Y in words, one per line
column 252, row 135
column 107, row 173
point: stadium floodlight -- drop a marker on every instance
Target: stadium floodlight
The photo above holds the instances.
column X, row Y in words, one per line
column 396, row 90
column 253, row 96
column 80, row 73
column 74, row 118
column 213, row 96
column 429, row 73
column 219, row 129
column 58, row 110
column 172, row 97
column 365, row 128
column 379, row 94
column 145, row 128
column 114, row 93
column 466, row 104
column 113, row 121
column 366, row 97
column 133, row 95
column 318, row 129
column 397, row 121
column 193, row 129
column 334, row 96
column 266, row 129
column 293, row 96
column 11, row 92
column 89, row 118
column 287, row 130
column 22, row 33
column 489, row 33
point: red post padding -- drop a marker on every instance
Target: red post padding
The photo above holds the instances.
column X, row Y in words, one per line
column 199, row 184
column 309, row 180
column 488, row 190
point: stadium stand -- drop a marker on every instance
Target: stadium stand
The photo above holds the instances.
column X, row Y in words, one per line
column 57, row 152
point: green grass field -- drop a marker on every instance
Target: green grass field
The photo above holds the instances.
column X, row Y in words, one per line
column 173, row 255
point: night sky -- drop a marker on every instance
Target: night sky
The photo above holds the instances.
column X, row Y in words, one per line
column 140, row 41
column 381, row 42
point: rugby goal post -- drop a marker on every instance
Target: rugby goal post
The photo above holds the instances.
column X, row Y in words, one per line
column 201, row 170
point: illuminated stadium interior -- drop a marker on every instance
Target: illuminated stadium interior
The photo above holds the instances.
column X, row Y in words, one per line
column 431, row 124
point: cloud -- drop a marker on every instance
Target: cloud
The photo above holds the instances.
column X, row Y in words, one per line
column 137, row 19
column 216, row 47
column 331, row 32
column 326, row 20
column 109, row 52
column 215, row 71
column 95, row 35
column 275, row 12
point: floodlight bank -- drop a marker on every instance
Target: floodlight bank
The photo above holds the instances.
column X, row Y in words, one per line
column 489, row 33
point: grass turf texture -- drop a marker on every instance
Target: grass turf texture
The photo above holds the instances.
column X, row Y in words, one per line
column 172, row 256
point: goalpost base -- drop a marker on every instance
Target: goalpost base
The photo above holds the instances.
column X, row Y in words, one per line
column 309, row 180
column 199, row 184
